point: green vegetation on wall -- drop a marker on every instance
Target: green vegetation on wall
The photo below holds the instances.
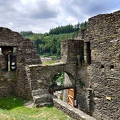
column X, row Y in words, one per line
column 57, row 78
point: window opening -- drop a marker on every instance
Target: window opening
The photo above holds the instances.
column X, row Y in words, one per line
column 0, row 51
column 12, row 62
column 14, row 50
column 57, row 84
column 111, row 67
column 102, row 66
column 61, row 90
column 9, row 55
column 8, row 62
column 88, row 50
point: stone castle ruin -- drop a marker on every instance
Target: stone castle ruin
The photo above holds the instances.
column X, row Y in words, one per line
column 91, row 63
column 16, row 53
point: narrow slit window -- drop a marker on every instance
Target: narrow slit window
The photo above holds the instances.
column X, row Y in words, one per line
column 0, row 51
column 88, row 50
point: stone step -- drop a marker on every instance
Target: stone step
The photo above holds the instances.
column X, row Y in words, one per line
column 43, row 104
column 39, row 92
column 41, row 100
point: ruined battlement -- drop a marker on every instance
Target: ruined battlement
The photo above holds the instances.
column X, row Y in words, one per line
column 104, row 26
column 106, row 16
column 9, row 38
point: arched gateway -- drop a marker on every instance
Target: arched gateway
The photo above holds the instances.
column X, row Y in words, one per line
column 39, row 76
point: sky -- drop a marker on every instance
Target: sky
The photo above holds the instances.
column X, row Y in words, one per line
column 39, row 16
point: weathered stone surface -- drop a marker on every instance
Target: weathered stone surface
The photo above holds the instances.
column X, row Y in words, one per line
column 101, row 73
column 92, row 63
column 97, row 65
column 15, row 82
column 71, row 111
column 104, row 37
column 40, row 76
column 72, row 51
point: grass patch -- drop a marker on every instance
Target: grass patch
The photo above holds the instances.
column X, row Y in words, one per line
column 49, row 62
column 12, row 108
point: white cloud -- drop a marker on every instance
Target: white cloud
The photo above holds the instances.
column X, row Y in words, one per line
column 41, row 15
column 71, row 19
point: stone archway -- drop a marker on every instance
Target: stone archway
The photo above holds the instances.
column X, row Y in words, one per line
column 39, row 77
column 63, row 87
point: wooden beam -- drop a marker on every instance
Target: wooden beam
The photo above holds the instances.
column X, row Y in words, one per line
column 60, row 88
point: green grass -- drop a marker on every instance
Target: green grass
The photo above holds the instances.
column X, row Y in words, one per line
column 49, row 62
column 12, row 108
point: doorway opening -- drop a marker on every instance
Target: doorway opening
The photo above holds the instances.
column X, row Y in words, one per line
column 62, row 88
column 56, row 85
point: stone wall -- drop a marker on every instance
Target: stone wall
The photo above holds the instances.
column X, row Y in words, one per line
column 101, row 70
column 74, row 113
column 2, row 62
column 40, row 76
column 83, row 89
column 72, row 51
column 104, row 36
column 26, row 54
column 9, row 38
column 7, row 83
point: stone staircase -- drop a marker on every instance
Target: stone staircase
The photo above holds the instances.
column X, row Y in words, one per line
column 41, row 97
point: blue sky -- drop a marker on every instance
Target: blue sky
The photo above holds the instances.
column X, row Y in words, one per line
column 41, row 15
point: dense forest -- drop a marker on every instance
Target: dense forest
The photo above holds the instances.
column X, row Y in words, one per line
column 48, row 44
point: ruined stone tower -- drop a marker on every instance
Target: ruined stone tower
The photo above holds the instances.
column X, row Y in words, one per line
column 104, row 37
column 102, row 67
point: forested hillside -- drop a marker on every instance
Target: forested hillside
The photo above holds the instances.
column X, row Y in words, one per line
column 48, row 44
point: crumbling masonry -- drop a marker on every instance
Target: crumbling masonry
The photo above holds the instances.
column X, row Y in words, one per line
column 91, row 64
column 16, row 53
